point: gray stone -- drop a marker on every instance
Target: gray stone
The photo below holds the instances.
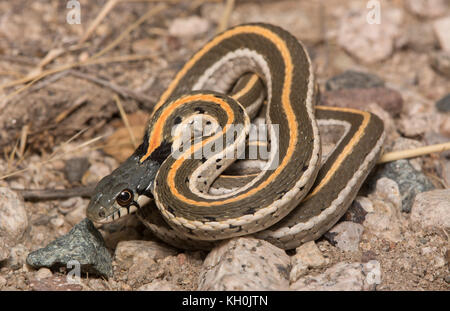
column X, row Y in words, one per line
column 350, row 79
column 343, row 277
column 346, row 235
column 432, row 209
column 245, row 264
column 83, row 244
column 410, row 181
column 443, row 104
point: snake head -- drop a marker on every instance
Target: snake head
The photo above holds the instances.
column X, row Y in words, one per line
column 124, row 191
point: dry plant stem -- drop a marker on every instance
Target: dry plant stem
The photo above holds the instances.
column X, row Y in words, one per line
column 151, row 12
column 122, row 91
column 411, row 153
column 223, row 24
column 105, row 10
column 55, row 194
column 125, row 120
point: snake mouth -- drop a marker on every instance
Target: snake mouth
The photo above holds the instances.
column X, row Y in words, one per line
column 123, row 211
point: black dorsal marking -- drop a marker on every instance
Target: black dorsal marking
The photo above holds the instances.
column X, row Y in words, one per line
column 162, row 152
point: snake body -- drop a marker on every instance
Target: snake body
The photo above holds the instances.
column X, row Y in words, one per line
column 293, row 198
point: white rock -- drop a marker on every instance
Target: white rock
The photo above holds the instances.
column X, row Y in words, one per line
column 347, row 235
column 307, row 256
column 43, row 273
column 369, row 42
column 441, row 28
column 245, row 264
column 188, row 26
column 158, row 285
column 76, row 215
column 343, row 277
column 432, row 209
column 13, row 217
column 130, row 252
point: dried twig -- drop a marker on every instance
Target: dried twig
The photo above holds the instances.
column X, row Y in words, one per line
column 125, row 120
column 410, row 153
column 105, row 10
column 121, row 90
column 55, row 194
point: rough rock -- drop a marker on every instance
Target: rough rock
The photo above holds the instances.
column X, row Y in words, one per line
column 307, row 256
column 346, row 235
column 13, row 217
column 358, row 98
column 83, row 244
column 343, row 277
column 245, row 264
column 4, row 250
column 410, row 181
column 420, row 37
column 432, row 209
column 350, row 79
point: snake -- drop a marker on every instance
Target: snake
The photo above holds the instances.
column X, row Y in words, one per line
column 179, row 181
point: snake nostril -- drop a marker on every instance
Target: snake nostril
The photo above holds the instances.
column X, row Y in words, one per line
column 101, row 213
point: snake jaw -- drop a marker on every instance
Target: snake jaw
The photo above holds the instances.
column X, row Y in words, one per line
column 132, row 175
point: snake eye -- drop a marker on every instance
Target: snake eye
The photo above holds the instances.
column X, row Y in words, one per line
column 125, row 197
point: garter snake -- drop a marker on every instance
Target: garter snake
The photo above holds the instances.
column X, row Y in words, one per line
column 293, row 198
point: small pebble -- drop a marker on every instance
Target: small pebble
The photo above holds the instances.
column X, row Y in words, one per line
column 443, row 104
column 159, row 285
column 346, row 235
column 57, row 222
column 358, row 98
column 350, row 79
column 440, row 61
column 307, row 256
column 43, row 273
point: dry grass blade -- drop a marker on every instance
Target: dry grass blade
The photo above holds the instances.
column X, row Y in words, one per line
column 23, row 140
column 105, row 10
column 153, row 11
column 55, row 156
column 223, row 24
column 410, row 153
column 125, row 120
